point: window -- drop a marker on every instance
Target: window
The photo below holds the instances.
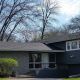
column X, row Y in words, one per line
column 52, row 60
column 73, row 45
column 79, row 44
column 68, row 45
column 34, row 60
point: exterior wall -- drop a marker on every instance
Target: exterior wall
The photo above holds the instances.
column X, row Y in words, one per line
column 60, row 57
column 69, row 60
column 23, row 60
column 68, row 57
column 72, row 57
column 73, row 69
column 21, row 57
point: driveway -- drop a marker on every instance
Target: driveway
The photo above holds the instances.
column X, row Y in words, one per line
column 34, row 79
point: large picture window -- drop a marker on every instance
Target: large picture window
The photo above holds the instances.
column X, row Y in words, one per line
column 34, row 60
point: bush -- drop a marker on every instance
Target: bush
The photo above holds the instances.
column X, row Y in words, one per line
column 6, row 66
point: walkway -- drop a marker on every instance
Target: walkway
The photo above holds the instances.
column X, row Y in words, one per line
column 34, row 79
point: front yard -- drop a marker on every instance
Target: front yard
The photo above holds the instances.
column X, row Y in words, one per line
column 72, row 79
column 42, row 79
column 30, row 79
column 4, row 79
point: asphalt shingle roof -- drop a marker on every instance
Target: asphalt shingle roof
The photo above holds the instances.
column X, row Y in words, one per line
column 14, row 46
column 59, row 38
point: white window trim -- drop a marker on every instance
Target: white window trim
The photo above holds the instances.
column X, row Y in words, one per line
column 66, row 46
column 70, row 45
column 42, row 63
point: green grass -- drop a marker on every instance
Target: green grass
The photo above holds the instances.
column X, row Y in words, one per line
column 72, row 79
column 4, row 78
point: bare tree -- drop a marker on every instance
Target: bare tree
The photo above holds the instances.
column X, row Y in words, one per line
column 16, row 12
column 74, row 26
column 26, row 34
column 17, row 22
column 45, row 13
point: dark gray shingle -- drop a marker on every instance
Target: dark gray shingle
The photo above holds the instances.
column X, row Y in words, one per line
column 59, row 38
column 14, row 46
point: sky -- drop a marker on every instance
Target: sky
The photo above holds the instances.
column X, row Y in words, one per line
column 68, row 9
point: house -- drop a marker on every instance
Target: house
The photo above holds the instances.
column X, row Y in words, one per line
column 30, row 56
column 59, row 52
column 70, row 58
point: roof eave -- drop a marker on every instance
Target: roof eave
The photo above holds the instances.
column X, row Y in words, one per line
column 41, row 51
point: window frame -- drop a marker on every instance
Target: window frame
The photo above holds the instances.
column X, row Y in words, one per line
column 72, row 45
column 34, row 63
column 79, row 44
column 52, row 62
column 70, row 42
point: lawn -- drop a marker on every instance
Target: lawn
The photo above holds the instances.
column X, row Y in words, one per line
column 72, row 79
column 4, row 79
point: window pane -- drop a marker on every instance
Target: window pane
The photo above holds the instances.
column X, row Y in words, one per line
column 52, row 57
column 38, row 58
column 30, row 65
column 74, row 45
column 68, row 45
column 30, row 58
column 79, row 44
column 38, row 65
column 35, row 57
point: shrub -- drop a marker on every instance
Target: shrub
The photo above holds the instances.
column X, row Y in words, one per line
column 6, row 66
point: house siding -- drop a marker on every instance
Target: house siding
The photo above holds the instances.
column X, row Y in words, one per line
column 60, row 57
column 72, row 57
column 69, row 60
column 21, row 57
column 68, row 57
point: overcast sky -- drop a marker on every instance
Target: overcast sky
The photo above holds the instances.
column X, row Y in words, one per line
column 68, row 9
